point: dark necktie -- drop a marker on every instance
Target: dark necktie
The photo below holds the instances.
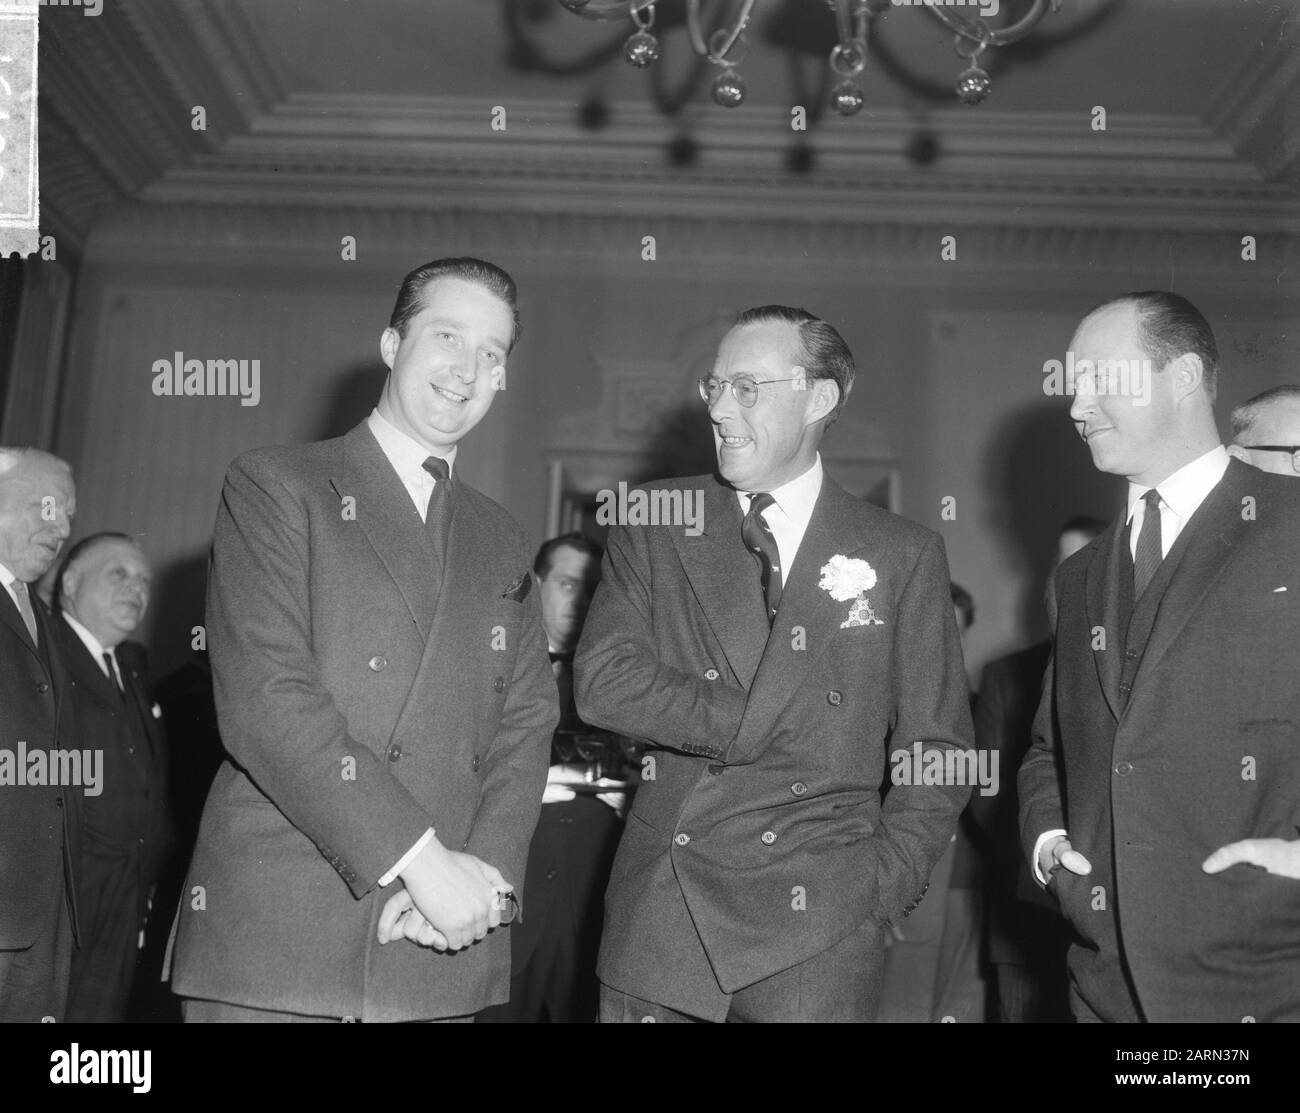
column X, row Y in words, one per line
column 759, row 540
column 25, row 609
column 113, row 678
column 1149, row 547
column 437, row 518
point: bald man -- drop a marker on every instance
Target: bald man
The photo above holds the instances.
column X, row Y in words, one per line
column 103, row 592
column 38, row 820
column 1266, row 431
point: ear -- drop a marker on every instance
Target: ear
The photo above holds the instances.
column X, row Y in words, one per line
column 388, row 345
column 1187, row 373
column 1236, row 451
column 823, row 397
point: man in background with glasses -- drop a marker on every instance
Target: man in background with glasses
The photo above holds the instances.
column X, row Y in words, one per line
column 1266, row 431
column 772, row 661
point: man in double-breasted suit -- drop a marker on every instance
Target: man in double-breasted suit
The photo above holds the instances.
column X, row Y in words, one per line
column 39, row 819
column 774, row 656
column 1160, row 798
column 103, row 592
column 384, row 693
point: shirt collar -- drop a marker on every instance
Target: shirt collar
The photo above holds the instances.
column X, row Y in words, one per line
column 88, row 639
column 6, row 577
column 406, row 454
column 797, row 498
column 1185, row 490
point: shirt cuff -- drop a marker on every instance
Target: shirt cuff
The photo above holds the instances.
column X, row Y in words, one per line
column 405, row 859
column 1038, row 849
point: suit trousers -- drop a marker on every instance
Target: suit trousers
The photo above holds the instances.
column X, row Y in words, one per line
column 842, row 984
column 34, row 981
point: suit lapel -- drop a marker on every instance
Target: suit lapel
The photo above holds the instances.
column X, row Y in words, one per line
column 1102, row 589
column 390, row 521
column 85, row 669
column 1211, row 534
column 457, row 604
column 834, row 529
column 724, row 579
column 12, row 618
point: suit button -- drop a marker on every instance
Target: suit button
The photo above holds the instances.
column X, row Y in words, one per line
column 681, row 838
column 566, row 819
column 711, row 674
column 59, row 801
column 394, row 752
column 551, row 875
column 1123, row 769
column 769, row 837
column 42, row 687
column 475, row 763
column 377, row 664
column 834, row 698
column 499, row 684
column 716, row 770
column 798, row 788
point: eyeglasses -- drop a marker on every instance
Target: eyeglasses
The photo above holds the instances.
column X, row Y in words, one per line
column 743, row 389
column 1272, row 447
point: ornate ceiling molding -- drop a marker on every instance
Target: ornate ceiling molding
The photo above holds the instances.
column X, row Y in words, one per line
column 1016, row 168
column 293, row 238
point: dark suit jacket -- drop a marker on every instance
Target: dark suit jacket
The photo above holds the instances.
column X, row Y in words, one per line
column 769, row 752
column 1024, row 923
column 1205, row 752
column 362, row 699
column 39, row 825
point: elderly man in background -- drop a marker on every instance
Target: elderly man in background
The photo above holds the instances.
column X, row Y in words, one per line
column 103, row 592
column 1266, row 431
column 38, row 822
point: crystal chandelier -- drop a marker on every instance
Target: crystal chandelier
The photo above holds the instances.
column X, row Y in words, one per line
column 725, row 45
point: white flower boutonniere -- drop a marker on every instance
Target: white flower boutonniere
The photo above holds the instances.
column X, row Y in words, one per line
column 850, row 579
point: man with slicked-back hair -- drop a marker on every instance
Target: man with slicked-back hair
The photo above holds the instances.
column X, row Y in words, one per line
column 384, row 694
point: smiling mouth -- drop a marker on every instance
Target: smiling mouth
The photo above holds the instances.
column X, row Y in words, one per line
column 451, row 395
column 734, row 442
column 1088, row 434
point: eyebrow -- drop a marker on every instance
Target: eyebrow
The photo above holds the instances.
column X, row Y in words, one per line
column 463, row 327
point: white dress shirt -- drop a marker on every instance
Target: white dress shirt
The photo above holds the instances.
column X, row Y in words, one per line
column 790, row 512
column 1181, row 496
column 407, row 456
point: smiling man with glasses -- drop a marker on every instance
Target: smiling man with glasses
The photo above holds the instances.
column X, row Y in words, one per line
column 1266, row 431
column 770, row 662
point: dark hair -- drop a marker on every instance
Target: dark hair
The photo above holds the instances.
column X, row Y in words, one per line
column 962, row 601
column 580, row 541
column 1250, row 411
column 1083, row 523
column 410, row 298
column 1170, row 326
column 80, row 549
column 824, row 353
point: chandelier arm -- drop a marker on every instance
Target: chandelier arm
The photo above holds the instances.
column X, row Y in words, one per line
column 970, row 28
column 606, row 10
column 718, row 57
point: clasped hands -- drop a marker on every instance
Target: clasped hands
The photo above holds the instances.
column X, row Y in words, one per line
column 1276, row 856
column 449, row 900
